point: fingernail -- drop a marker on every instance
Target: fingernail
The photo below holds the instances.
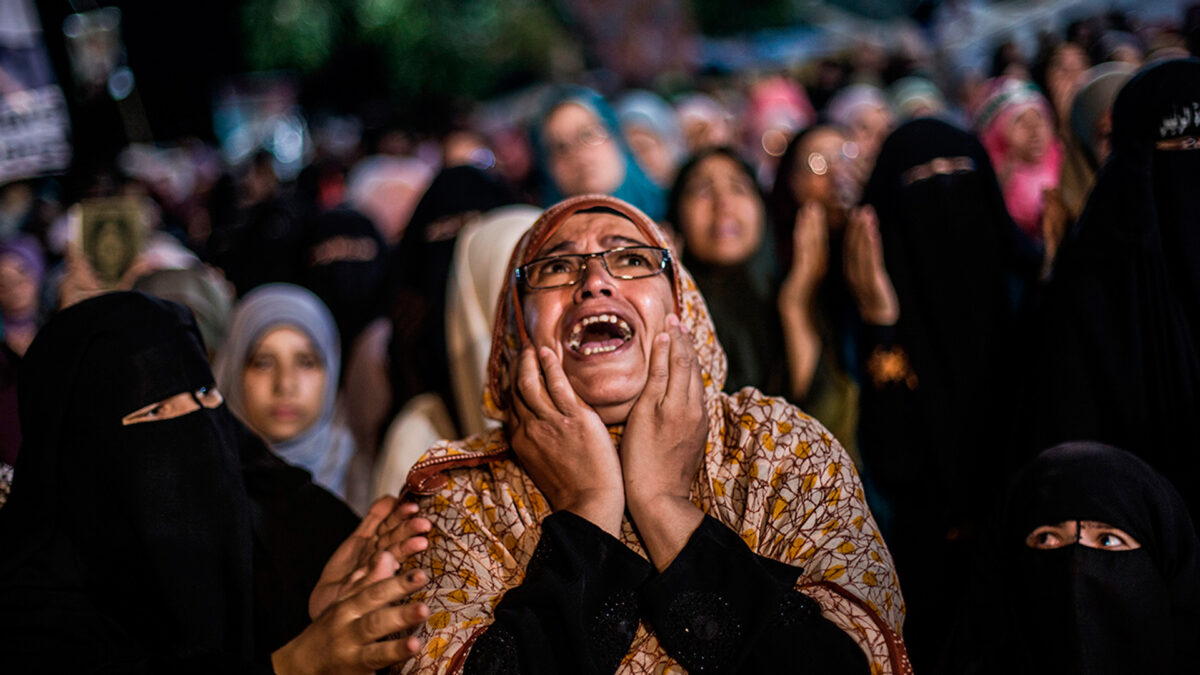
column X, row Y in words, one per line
column 545, row 352
column 662, row 338
column 416, row 577
column 672, row 320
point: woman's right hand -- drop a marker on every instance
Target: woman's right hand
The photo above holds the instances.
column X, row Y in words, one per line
column 865, row 271
column 810, row 258
column 348, row 636
column 563, row 444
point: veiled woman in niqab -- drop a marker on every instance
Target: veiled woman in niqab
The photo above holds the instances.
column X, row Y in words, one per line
column 1122, row 596
column 148, row 531
column 1119, row 360
column 138, row 531
column 936, row 376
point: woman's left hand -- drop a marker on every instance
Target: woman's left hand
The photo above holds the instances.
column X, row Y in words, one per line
column 388, row 526
column 663, row 445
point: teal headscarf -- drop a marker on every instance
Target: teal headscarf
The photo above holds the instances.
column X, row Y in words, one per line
column 637, row 188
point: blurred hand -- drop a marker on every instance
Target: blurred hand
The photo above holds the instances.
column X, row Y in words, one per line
column 810, row 257
column 563, row 444
column 865, row 271
column 1055, row 222
column 347, row 636
column 80, row 281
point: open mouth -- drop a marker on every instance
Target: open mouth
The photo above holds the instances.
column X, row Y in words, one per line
column 599, row 334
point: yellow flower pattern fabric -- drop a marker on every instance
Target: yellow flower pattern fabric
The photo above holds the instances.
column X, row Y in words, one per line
column 771, row 473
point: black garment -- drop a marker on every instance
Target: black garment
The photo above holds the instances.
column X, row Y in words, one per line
column 718, row 608
column 126, row 548
column 421, row 268
column 137, row 548
column 1077, row 609
column 1119, row 358
column 344, row 262
column 742, row 298
column 935, row 386
column 255, row 244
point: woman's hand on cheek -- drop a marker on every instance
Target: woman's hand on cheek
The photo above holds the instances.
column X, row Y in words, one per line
column 563, row 444
column 664, row 445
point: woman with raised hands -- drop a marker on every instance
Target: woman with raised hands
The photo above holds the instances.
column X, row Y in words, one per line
column 629, row 517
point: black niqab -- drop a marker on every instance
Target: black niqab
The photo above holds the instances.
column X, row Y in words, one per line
column 345, row 264
column 1081, row 610
column 1119, row 359
column 126, row 547
column 954, row 257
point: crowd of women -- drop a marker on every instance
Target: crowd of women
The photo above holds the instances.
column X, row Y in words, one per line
column 859, row 376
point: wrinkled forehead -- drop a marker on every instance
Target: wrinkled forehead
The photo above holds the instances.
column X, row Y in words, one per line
column 592, row 231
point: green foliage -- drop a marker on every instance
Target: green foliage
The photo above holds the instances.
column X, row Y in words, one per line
column 292, row 34
column 432, row 49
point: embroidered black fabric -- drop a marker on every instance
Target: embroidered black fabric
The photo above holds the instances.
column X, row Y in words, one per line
column 718, row 608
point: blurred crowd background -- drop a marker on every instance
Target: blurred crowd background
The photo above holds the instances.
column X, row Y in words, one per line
column 380, row 157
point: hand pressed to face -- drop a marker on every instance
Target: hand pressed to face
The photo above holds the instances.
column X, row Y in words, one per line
column 663, row 447
column 570, row 318
column 563, row 444
column 665, row 437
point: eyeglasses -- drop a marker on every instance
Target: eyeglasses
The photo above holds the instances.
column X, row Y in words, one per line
column 820, row 164
column 627, row 262
column 589, row 136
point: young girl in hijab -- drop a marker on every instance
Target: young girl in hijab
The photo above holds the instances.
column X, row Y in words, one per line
column 1093, row 567
column 1016, row 126
column 279, row 372
column 581, row 150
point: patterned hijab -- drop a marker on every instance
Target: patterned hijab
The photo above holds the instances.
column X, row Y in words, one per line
column 771, row 473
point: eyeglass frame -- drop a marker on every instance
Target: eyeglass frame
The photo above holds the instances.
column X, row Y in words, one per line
column 524, row 282
column 557, row 149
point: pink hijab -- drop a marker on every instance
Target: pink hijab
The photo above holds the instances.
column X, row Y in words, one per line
column 1022, row 183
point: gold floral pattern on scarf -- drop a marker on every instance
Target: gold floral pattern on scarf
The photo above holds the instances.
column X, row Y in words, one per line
column 771, row 473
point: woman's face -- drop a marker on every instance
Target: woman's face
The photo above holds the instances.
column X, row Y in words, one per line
column 1029, row 136
column 583, row 156
column 634, row 309
column 1064, row 74
column 651, row 153
column 720, row 212
column 18, row 288
column 869, row 128
column 819, row 160
column 1090, row 533
column 283, row 384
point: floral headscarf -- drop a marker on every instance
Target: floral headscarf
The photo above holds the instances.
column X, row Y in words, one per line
column 771, row 473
